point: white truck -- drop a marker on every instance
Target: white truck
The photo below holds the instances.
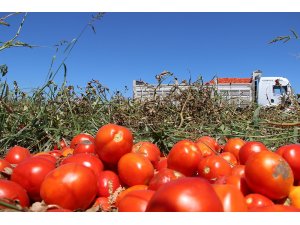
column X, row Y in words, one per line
column 265, row 91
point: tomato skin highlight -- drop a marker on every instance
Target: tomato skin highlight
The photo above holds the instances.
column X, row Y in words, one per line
column 71, row 186
column 112, row 142
column 250, row 148
column 255, row 200
column 186, row 194
column 267, row 173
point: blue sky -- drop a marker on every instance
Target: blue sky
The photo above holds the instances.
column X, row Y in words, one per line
column 130, row 46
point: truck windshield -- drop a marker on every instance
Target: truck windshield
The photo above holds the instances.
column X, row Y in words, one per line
column 279, row 90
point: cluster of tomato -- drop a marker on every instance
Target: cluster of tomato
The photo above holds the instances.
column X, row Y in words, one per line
column 110, row 172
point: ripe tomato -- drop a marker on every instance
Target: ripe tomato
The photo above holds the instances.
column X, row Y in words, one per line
column 231, row 197
column 275, row 208
column 87, row 160
column 108, row 182
column 103, row 203
column 230, row 158
column 292, row 155
column 249, row 148
column 184, row 157
column 128, row 190
column 186, row 194
column 238, row 170
column 267, row 173
column 206, row 148
column 112, row 142
column 11, row 190
column 294, row 196
column 149, row 150
column 71, row 186
column 162, row 177
column 239, row 182
column 211, row 142
column 135, row 201
column 234, row 145
column 134, row 168
column 30, row 173
column 58, row 210
column 17, row 154
column 85, row 146
column 81, row 138
column 255, row 200
column 212, row 167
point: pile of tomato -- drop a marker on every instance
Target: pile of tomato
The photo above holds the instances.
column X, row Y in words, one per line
column 110, row 172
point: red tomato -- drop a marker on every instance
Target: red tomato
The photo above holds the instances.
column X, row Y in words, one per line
column 30, row 173
column 234, row 145
column 128, row 190
column 17, row 154
column 211, row 142
column 4, row 164
column 135, row 201
column 238, row 170
column 71, row 186
column 184, row 157
column 81, row 138
column 85, row 146
column 112, row 142
column 292, row 155
column 103, row 203
column 11, row 190
column 267, row 173
column 108, row 182
column 250, row 148
column 162, row 163
column 206, row 149
column 230, row 158
column 134, row 168
column 162, row 177
column 231, row 197
column 149, row 150
column 87, row 160
column 186, row 194
column 212, row 167
column 257, row 200
column 275, row 208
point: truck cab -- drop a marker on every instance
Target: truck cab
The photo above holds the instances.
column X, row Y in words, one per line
column 270, row 91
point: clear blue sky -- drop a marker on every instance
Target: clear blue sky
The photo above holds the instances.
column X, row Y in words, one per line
column 130, row 46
